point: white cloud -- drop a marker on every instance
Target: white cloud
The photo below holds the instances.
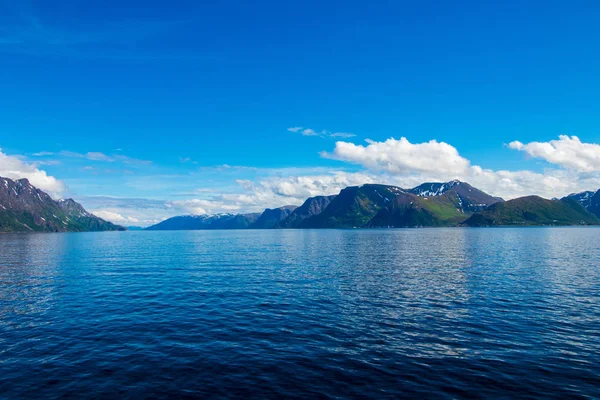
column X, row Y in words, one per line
column 115, row 217
column 14, row 168
column 568, row 152
column 271, row 192
column 203, row 206
column 302, row 187
column 99, row 156
column 309, row 132
column 342, row 135
column 128, row 211
column 323, row 133
column 400, row 156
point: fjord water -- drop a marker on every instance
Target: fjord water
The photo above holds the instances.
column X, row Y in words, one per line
column 430, row 313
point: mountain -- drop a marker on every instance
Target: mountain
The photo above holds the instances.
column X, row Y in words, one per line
column 311, row 207
column 410, row 210
column 430, row 204
column 469, row 199
column 203, row 222
column 88, row 221
column 594, row 204
column 24, row 208
column 354, row 207
column 270, row 218
column 453, row 203
column 533, row 210
column 588, row 200
column 583, row 198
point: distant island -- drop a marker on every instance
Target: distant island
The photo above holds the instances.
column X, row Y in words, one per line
column 24, row 208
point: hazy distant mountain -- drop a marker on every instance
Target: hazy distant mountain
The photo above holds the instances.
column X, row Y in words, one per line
column 311, row 207
column 533, row 210
column 202, row 222
column 24, row 208
column 270, row 218
column 469, row 199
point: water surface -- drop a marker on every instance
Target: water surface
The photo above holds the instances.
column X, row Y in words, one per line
column 429, row 313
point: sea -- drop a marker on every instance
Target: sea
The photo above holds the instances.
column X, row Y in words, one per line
column 494, row 313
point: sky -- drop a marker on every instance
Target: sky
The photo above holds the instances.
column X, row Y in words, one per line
column 142, row 110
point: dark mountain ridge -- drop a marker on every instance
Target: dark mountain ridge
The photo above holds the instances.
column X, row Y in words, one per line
column 311, row 207
column 24, row 208
column 272, row 217
column 588, row 200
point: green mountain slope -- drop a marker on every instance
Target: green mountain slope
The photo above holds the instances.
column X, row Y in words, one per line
column 533, row 211
column 410, row 210
column 354, row 207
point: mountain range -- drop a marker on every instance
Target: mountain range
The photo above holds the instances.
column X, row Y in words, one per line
column 24, row 208
column 453, row 203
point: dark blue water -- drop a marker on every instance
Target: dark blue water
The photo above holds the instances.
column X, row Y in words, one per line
column 429, row 313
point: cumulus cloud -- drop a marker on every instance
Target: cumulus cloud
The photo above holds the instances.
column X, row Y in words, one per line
column 568, row 152
column 400, row 156
column 302, row 187
column 14, row 167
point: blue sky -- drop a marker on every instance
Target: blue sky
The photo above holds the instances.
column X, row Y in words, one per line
column 187, row 106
